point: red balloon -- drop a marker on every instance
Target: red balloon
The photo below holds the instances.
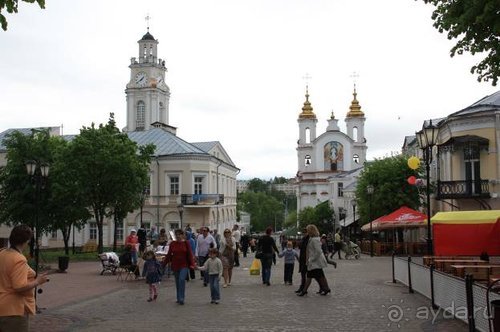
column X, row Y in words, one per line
column 411, row 180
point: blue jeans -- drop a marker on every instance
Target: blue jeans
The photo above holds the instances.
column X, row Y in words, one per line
column 133, row 257
column 266, row 262
column 180, row 283
column 213, row 280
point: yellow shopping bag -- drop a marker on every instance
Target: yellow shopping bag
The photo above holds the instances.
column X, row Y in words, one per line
column 255, row 267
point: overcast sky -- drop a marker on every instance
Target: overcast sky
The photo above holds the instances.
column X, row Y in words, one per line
column 236, row 69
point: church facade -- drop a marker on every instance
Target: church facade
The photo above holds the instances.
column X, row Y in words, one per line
column 328, row 163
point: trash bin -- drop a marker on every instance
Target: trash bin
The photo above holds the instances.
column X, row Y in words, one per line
column 495, row 306
column 63, row 263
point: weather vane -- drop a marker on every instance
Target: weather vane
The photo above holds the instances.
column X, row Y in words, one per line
column 354, row 76
column 147, row 18
column 307, row 77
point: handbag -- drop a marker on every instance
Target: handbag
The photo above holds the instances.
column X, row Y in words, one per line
column 259, row 254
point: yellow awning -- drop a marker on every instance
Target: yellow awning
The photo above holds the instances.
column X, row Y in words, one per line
column 466, row 217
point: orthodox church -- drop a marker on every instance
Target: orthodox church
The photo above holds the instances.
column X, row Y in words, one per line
column 329, row 163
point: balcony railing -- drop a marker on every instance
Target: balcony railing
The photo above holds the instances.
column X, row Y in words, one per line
column 202, row 199
column 463, row 189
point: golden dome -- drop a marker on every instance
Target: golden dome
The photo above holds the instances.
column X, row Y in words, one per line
column 307, row 110
column 355, row 108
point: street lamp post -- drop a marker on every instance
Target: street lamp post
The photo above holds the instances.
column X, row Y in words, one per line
column 180, row 208
column 353, row 203
column 427, row 138
column 369, row 191
column 38, row 172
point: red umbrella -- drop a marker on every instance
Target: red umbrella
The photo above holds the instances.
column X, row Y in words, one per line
column 402, row 217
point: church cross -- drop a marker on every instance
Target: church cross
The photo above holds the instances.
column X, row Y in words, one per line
column 354, row 76
column 307, row 77
column 147, row 18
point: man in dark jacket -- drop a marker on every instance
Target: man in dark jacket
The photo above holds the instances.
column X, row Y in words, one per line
column 141, row 237
column 303, row 261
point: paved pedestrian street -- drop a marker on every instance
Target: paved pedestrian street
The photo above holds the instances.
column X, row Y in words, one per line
column 363, row 298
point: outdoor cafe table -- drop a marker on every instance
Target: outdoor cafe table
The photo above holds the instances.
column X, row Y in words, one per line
column 445, row 264
column 459, row 270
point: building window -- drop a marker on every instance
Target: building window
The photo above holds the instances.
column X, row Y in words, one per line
column 141, row 114
column 119, row 231
column 53, row 235
column 307, row 160
column 92, row 231
column 355, row 158
column 174, row 185
column 340, row 191
column 198, row 185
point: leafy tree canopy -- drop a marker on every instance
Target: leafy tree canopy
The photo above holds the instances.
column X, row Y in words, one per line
column 389, row 177
column 476, row 25
column 11, row 7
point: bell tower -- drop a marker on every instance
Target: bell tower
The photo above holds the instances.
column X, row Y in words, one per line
column 147, row 94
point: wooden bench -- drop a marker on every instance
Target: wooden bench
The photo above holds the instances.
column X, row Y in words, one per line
column 478, row 272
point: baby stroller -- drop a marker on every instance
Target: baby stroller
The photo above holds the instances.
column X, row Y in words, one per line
column 109, row 261
column 351, row 249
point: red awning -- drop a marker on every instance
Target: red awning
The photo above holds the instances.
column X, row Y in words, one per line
column 402, row 217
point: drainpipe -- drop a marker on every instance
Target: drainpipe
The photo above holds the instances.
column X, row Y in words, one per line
column 157, row 193
column 217, row 189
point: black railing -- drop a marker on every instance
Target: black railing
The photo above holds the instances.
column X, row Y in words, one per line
column 463, row 189
column 202, row 199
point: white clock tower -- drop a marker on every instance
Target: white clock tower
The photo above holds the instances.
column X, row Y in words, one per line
column 147, row 94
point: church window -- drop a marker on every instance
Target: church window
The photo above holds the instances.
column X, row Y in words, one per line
column 333, row 153
column 355, row 158
column 307, row 160
column 140, row 116
column 308, row 135
column 355, row 134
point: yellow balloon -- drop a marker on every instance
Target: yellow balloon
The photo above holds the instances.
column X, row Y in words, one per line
column 413, row 162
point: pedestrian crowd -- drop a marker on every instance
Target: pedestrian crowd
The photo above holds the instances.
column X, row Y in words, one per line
column 150, row 255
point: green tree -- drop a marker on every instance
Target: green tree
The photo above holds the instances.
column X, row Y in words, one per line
column 257, row 185
column 264, row 210
column 18, row 196
column 67, row 209
column 109, row 170
column 476, row 25
column 11, row 7
column 389, row 177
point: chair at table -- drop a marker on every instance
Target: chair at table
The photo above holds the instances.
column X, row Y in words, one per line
column 126, row 272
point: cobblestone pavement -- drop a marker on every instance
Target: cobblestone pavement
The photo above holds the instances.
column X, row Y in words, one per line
column 363, row 298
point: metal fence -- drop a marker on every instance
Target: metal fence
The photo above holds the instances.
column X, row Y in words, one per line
column 462, row 298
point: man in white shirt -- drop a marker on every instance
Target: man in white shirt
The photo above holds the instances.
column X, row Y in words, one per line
column 237, row 239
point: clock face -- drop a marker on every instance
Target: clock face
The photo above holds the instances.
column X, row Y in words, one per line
column 141, row 79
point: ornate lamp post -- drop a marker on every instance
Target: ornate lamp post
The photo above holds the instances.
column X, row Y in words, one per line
column 369, row 191
column 39, row 173
column 180, row 208
column 427, row 138
column 353, row 203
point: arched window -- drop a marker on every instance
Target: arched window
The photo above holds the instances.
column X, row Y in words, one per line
column 140, row 116
column 307, row 160
column 308, row 135
column 355, row 134
column 355, row 158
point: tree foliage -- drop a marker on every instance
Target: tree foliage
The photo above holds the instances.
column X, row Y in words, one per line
column 321, row 215
column 389, row 177
column 109, row 171
column 12, row 7
column 476, row 25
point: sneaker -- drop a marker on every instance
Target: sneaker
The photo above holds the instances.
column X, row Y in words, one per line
column 224, row 286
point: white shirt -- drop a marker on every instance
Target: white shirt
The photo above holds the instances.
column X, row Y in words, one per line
column 237, row 235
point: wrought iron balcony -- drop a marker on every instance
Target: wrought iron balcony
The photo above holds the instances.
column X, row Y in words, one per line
column 463, row 189
column 202, row 199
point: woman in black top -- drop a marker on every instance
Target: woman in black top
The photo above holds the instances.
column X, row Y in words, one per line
column 267, row 246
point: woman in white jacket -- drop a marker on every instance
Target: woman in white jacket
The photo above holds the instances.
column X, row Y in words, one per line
column 316, row 262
